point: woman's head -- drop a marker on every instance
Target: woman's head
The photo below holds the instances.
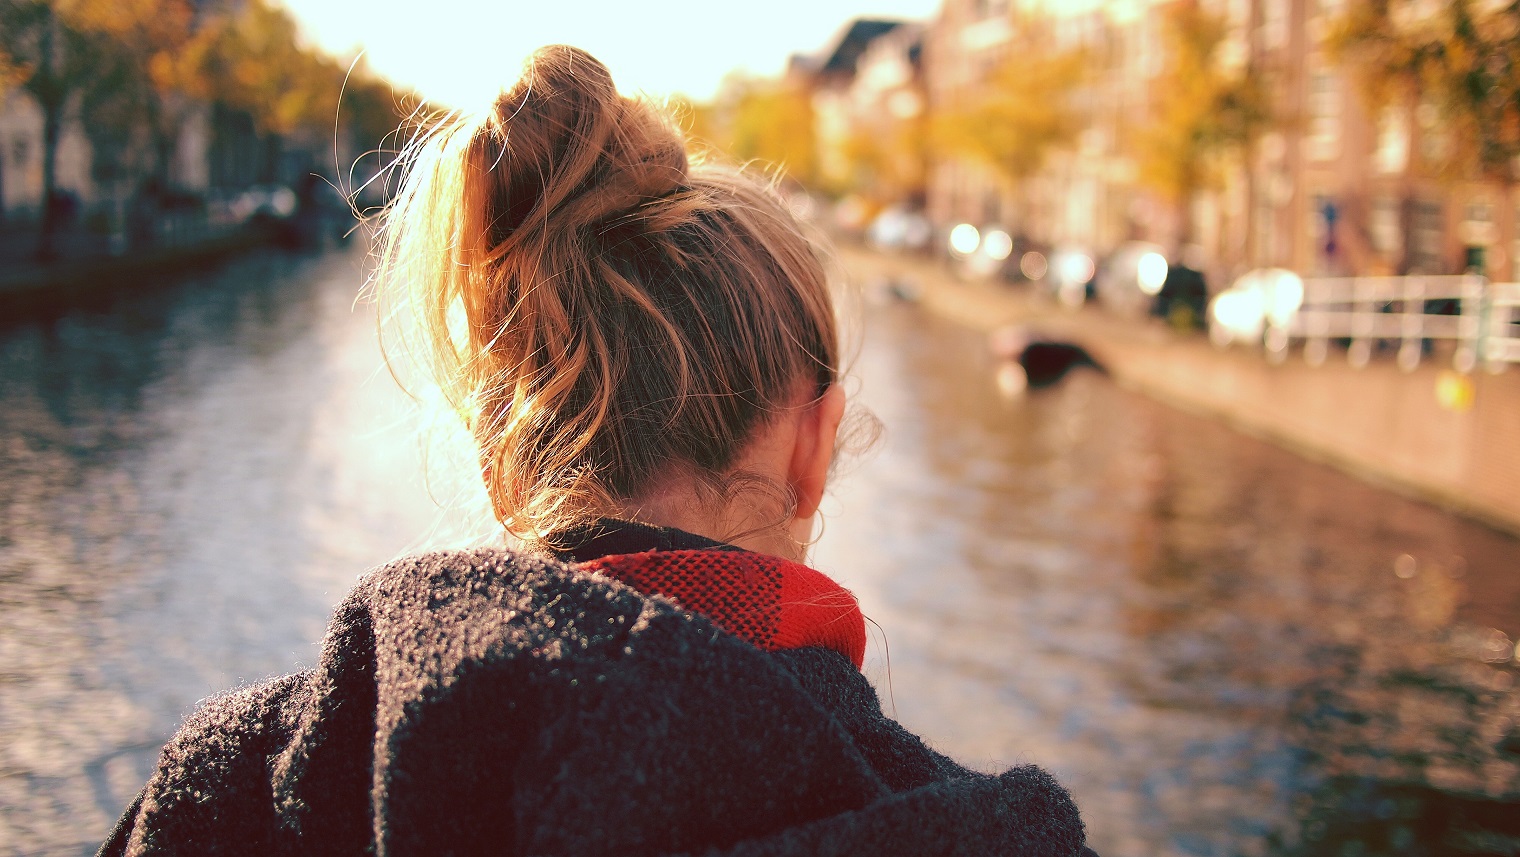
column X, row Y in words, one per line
column 617, row 323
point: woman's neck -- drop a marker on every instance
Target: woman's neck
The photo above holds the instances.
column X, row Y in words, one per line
column 740, row 524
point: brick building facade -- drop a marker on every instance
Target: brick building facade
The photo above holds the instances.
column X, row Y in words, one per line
column 1328, row 188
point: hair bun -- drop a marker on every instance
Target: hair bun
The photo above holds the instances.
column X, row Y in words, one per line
column 574, row 152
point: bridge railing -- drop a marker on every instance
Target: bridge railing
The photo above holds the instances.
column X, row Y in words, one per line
column 1501, row 340
column 1479, row 319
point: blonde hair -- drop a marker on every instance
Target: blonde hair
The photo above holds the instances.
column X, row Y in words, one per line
column 598, row 306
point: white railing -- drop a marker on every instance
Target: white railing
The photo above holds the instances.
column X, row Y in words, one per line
column 1501, row 338
column 1480, row 319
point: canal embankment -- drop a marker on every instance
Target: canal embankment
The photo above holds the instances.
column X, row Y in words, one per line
column 85, row 270
column 1385, row 425
column 27, row 286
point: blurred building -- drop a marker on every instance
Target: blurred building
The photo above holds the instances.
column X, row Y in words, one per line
column 1085, row 195
column 869, row 109
column 117, row 151
column 216, row 149
column 1327, row 188
column 21, row 154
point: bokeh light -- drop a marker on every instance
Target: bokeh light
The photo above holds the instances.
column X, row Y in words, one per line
column 1033, row 265
column 998, row 244
column 1151, row 272
column 964, row 239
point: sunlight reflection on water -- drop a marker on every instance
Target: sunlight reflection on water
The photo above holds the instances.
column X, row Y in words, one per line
column 1219, row 647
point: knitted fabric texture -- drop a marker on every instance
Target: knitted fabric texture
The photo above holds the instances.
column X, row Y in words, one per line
column 773, row 603
column 491, row 702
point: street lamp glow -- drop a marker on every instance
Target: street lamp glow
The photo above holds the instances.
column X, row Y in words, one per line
column 1236, row 315
column 1287, row 291
column 1076, row 267
column 964, row 239
column 1151, row 272
column 997, row 245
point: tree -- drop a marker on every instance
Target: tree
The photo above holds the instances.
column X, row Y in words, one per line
column 370, row 113
column 55, row 64
column 11, row 75
column 372, row 107
column 699, row 121
column 111, row 105
column 12, row 72
column 887, row 160
column 1462, row 56
column 772, row 121
column 1202, row 111
column 135, row 68
column 1024, row 113
column 254, row 61
column 146, row 51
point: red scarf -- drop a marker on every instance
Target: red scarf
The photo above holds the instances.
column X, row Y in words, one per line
column 773, row 603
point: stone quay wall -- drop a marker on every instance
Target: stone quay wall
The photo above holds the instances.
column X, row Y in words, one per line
column 1378, row 422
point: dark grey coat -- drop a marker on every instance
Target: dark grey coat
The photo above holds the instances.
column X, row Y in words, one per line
column 494, row 702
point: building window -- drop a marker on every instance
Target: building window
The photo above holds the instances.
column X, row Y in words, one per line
column 1387, row 238
column 1149, row 58
column 1514, row 255
column 1426, row 237
column 1274, row 23
column 1392, row 154
column 1432, row 134
column 1322, row 141
column 1238, row 14
column 1478, row 224
column 1266, row 232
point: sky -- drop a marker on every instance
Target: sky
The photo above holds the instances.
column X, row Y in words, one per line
column 463, row 52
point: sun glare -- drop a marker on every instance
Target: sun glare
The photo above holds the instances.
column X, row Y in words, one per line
column 461, row 52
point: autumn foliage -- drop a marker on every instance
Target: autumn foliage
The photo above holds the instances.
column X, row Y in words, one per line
column 772, row 122
column 1024, row 112
column 1204, row 110
column 132, row 71
column 1459, row 58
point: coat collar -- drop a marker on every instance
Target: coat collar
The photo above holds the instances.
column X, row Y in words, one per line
column 612, row 536
column 774, row 603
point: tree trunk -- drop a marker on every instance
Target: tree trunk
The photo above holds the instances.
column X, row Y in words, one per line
column 163, row 129
column 2, row 187
column 52, row 130
column 1189, row 182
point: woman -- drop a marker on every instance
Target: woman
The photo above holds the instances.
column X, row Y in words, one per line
column 645, row 351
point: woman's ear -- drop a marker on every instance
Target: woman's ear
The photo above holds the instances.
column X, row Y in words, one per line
column 813, row 452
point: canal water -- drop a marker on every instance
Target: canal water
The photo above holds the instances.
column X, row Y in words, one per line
column 1219, row 647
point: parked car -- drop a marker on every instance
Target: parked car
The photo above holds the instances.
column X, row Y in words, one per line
column 1183, row 297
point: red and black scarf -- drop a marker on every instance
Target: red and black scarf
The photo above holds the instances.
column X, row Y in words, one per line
column 771, row 602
